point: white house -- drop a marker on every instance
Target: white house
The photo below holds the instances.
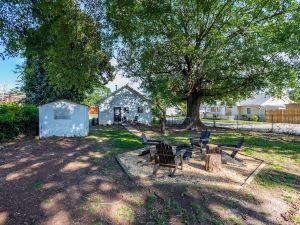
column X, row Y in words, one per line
column 64, row 119
column 219, row 111
column 124, row 103
column 255, row 105
column 258, row 104
column 173, row 111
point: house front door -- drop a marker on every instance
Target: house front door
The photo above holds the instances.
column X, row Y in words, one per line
column 117, row 114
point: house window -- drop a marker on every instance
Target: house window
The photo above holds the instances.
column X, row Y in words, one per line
column 126, row 109
column 140, row 110
column 62, row 114
column 248, row 111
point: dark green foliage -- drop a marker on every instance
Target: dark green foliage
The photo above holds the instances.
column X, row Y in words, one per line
column 94, row 97
column 295, row 95
column 62, row 46
column 204, row 51
column 16, row 119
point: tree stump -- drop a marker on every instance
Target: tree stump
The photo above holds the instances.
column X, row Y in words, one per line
column 213, row 162
column 211, row 149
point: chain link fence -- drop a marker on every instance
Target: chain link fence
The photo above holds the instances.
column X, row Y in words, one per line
column 272, row 126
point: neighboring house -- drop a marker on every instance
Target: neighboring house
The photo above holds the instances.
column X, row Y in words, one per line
column 218, row 111
column 124, row 103
column 8, row 97
column 172, row 111
column 258, row 104
column 63, row 119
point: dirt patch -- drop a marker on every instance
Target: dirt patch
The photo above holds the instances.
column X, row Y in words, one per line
column 63, row 181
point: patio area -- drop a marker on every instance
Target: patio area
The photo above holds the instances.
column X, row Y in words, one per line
column 233, row 175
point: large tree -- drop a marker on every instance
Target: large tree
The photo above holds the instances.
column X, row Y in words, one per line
column 209, row 49
column 161, row 100
column 62, row 44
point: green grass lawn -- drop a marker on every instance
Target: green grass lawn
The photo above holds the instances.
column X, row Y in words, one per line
column 281, row 152
column 117, row 140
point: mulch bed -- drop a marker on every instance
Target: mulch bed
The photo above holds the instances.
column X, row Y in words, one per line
column 232, row 176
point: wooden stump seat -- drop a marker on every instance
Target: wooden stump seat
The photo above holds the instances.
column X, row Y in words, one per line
column 213, row 162
column 211, row 149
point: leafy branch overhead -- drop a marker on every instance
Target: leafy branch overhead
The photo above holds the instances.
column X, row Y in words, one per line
column 63, row 47
column 209, row 50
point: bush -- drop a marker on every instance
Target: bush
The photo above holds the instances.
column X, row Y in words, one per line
column 253, row 118
column 244, row 117
column 250, row 118
column 16, row 119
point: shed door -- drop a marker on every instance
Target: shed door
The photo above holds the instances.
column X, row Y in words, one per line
column 117, row 114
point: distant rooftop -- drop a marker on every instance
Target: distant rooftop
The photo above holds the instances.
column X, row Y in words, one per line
column 265, row 100
column 8, row 97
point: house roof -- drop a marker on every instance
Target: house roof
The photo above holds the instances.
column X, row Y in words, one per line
column 265, row 101
column 64, row 100
column 128, row 88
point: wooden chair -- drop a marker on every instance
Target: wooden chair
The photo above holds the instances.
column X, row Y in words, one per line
column 165, row 157
column 201, row 141
column 149, row 143
column 234, row 147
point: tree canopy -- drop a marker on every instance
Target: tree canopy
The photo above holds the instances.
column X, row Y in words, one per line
column 209, row 50
column 62, row 45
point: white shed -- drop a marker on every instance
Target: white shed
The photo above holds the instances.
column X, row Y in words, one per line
column 125, row 103
column 63, row 119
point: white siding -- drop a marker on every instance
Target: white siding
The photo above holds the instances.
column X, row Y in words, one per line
column 124, row 98
column 76, row 125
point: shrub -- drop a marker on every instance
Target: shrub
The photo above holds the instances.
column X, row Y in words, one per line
column 253, row 118
column 250, row 118
column 244, row 117
column 16, row 119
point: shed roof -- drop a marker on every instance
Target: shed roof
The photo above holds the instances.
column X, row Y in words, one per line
column 64, row 100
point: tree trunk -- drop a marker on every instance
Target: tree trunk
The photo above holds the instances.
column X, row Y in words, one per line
column 192, row 113
column 163, row 122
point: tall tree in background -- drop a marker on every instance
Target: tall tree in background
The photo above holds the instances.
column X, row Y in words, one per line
column 209, row 50
column 91, row 99
column 161, row 99
column 62, row 46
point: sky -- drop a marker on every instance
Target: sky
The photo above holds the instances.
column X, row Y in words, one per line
column 9, row 79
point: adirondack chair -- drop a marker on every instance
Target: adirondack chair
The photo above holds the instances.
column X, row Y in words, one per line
column 165, row 157
column 234, row 147
column 201, row 141
column 149, row 143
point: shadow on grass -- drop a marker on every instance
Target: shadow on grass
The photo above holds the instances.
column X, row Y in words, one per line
column 77, row 181
column 275, row 178
column 254, row 143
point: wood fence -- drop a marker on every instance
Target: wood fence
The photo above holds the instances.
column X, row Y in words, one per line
column 289, row 115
